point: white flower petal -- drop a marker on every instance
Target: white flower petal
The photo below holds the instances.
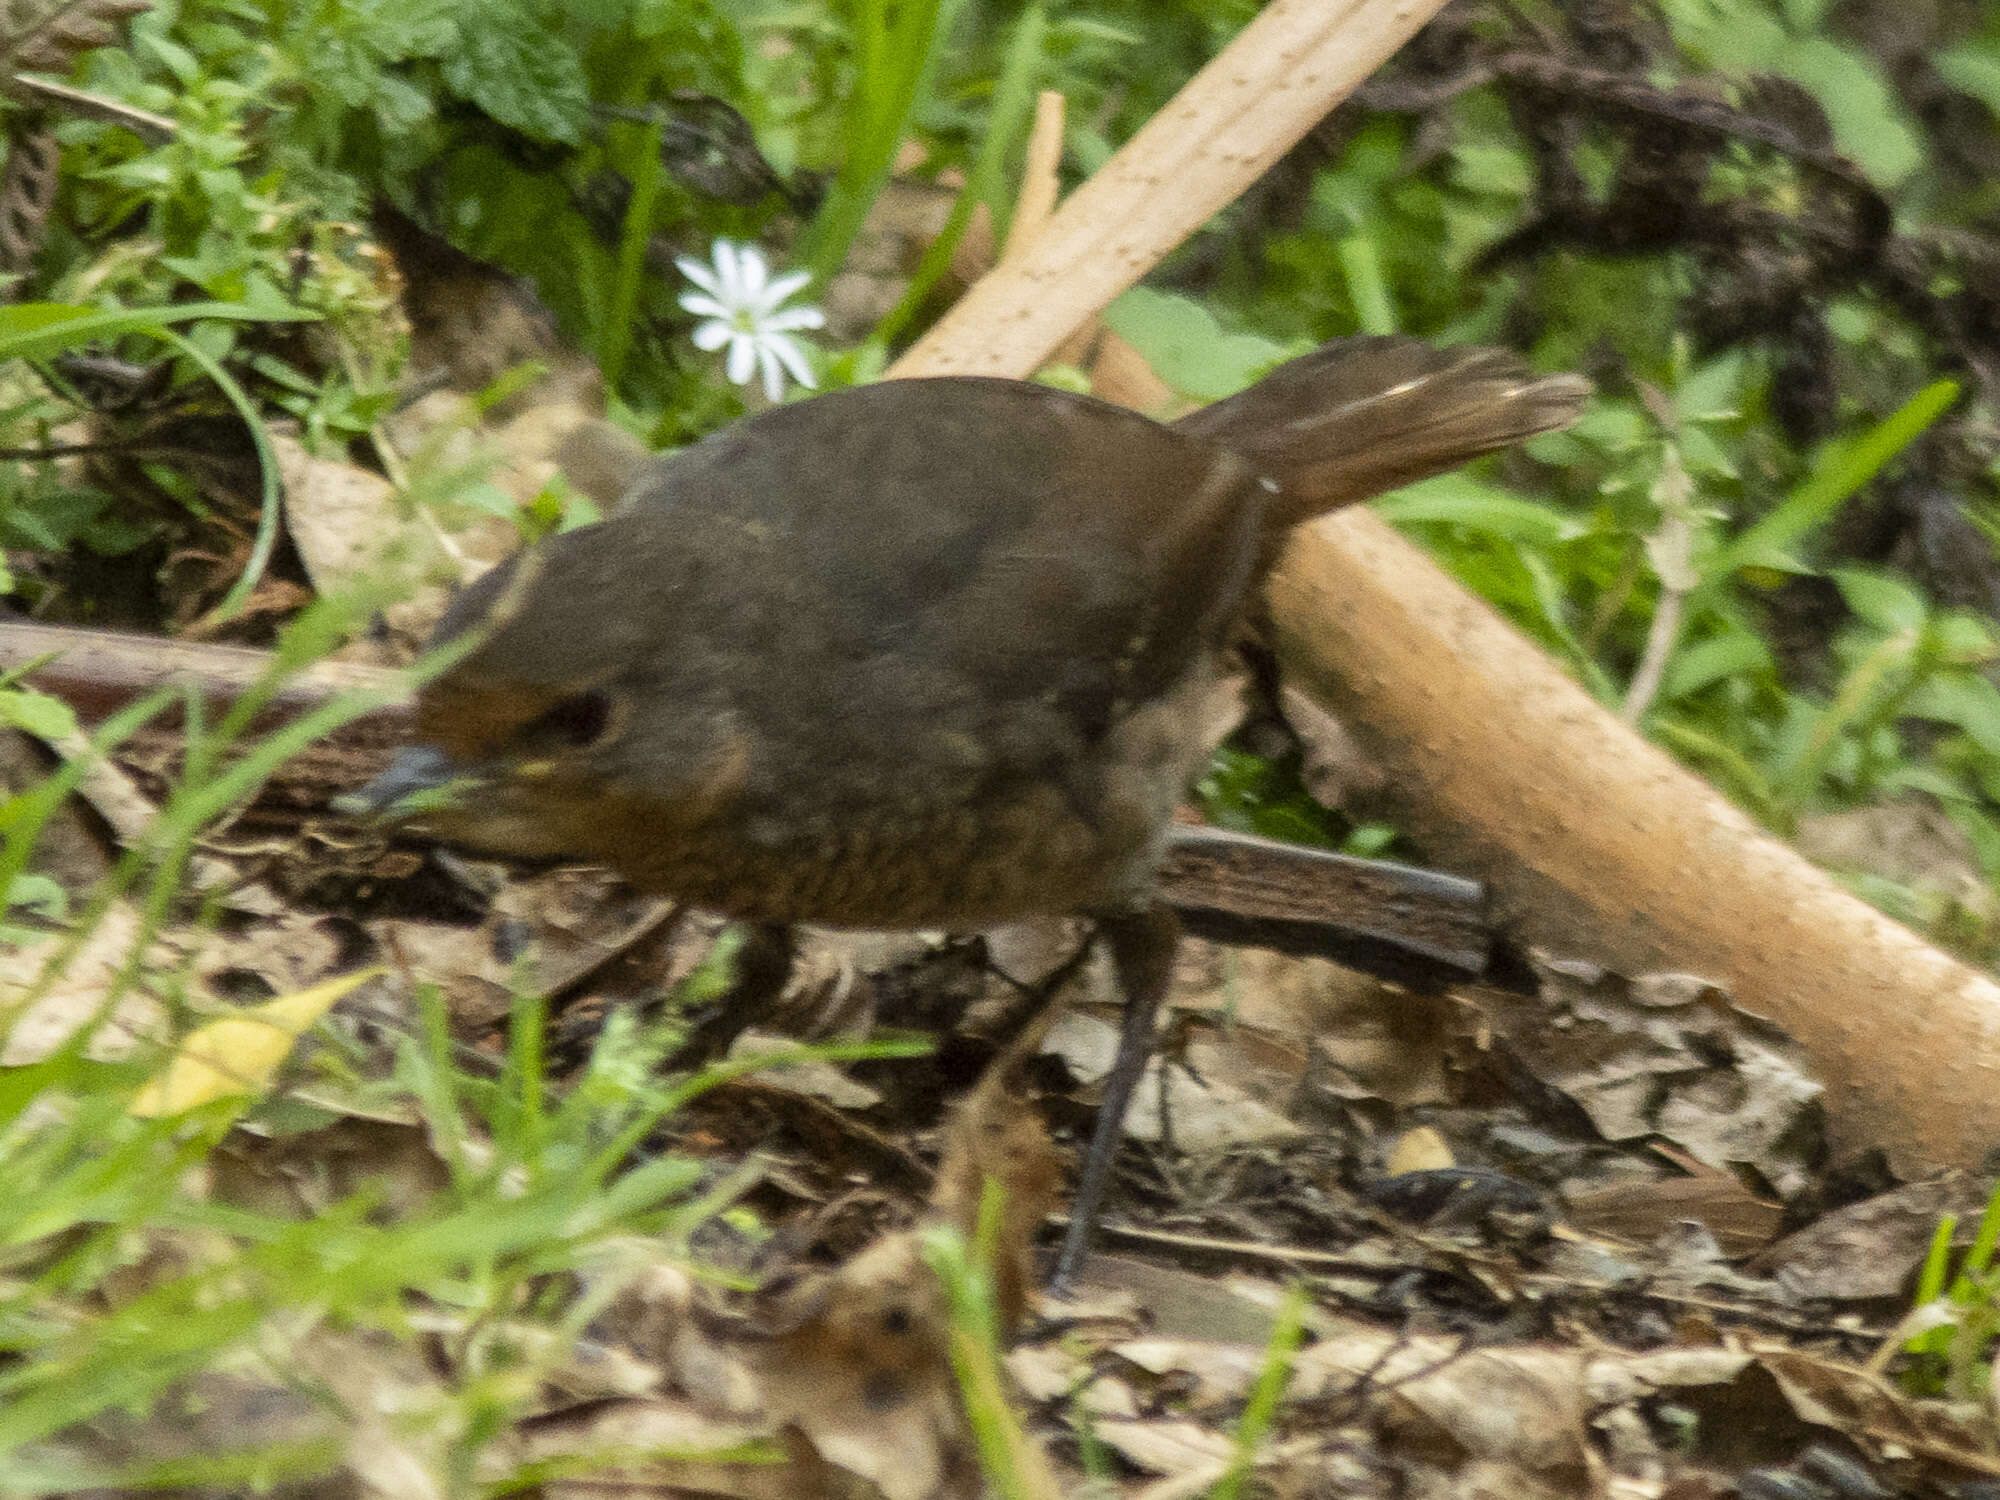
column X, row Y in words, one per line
column 774, row 378
column 783, row 286
column 730, row 283
column 742, row 305
column 755, row 271
column 785, row 319
column 793, row 356
column 699, row 274
column 742, row 359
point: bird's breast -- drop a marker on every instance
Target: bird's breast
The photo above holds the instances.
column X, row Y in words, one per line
column 1085, row 835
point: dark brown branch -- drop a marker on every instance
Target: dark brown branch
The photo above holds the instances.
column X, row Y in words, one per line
column 1413, row 926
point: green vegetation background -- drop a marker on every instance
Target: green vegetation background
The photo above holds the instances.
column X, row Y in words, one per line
column 1776, row 526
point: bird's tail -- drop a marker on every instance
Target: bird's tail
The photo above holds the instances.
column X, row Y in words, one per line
column 1360, row 416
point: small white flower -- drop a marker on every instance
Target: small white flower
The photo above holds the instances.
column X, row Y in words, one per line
column 743, row 308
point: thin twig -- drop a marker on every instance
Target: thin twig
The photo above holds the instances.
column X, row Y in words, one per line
column 1671, row 548
column 1041, row 183
column 154, row 130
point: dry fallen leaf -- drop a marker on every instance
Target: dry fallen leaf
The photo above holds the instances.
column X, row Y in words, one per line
column 1669, row 1055
column 1640, row 1210
column 1202, row 1113
column 846, row 1376
column 1520, row 1405
column 31, row 1031
column 239, row 1054
column 1421, row 1150
column 1870, row 1250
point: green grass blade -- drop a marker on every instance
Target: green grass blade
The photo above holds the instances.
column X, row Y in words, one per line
column 1839, row 475
column 1930, row 1287
column 1007, row 125
column 616, row 343
column 1272, row 1378
column 267, row 463
column 34, row 330
column 895, row 49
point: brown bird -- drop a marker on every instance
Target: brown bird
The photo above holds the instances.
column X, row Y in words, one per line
column 921, row 654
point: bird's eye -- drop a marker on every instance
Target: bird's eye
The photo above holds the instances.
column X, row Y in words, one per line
column 577, row 722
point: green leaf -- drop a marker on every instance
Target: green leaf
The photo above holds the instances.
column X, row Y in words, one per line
column 27, row 317
column 487, row 497
column 615, row 336
column 1708, row 662
column 600, row 15
column 52, row 519
column 1963, row 638
column 1964, row 700
column 405, row 29
column 1702, row 454
column 1927, row 779
column 1492, row 168
column 1841, row 471
column 1711, row 390
column 1881, row 599
column 1186, row 347
column 1867, row 124
column 521, row 73
column 40, row 894
column 1007, row 124
column 1370, row 841
column 1456, row 500
column 1367, row 286
column 896, row 53
column 1610, row 424
column 42, row 716
column 176, row 59
column 1741, row 39
column 1972, row 69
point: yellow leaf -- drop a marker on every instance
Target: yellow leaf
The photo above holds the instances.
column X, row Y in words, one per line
column 1423, row 1149
column 238, row 1054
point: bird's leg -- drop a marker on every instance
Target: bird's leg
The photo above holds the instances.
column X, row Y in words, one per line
column 763, row 964
column 1142, row 952
column 1033, row 1000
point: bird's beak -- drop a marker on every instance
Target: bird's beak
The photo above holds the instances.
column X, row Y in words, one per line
column 421, row 779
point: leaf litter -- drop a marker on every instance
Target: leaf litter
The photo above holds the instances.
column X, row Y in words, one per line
column 1542, row 1234
column 1469, row 1334
column 1587, row 1241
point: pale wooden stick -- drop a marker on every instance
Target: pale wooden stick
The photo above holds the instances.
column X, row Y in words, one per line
column 1594, row 838
column 1117, row 371
column 1041, row 183
column 1280, row 76
column 1595, row 841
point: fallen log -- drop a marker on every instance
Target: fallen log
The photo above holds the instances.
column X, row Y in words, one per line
column 1417, row 927
column 1589, row 838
